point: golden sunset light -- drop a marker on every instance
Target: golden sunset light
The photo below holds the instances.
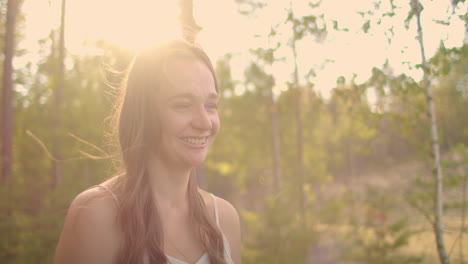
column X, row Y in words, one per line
column 234, row 131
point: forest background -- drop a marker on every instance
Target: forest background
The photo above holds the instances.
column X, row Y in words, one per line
column 326, row 147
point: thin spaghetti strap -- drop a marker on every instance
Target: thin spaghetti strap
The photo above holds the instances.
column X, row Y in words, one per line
column 216, row 210
column 110, row 192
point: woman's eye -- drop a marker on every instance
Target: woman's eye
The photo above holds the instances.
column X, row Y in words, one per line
column 211, row 106
column 181, row 106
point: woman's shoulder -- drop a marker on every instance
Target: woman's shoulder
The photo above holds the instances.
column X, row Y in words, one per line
column 96, row 208
column 90, row 230
column 223, row 205
column 229, row 222
column 98, row 200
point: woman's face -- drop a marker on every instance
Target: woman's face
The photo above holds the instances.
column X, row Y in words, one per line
column 187, row 113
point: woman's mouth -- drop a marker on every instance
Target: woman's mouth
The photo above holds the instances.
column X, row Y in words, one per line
column 195, row 140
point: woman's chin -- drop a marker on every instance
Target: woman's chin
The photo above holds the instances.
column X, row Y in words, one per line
column 193, row 163
column 195, row 160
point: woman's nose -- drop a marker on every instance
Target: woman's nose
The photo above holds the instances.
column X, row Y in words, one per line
column 201, row 119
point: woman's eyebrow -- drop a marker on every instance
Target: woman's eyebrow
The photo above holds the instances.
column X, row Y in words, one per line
column 192, row 96
column 181, row 96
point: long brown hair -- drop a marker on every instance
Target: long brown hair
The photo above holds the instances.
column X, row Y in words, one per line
column 138, row 215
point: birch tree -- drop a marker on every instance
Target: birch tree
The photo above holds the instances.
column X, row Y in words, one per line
column 437, row 172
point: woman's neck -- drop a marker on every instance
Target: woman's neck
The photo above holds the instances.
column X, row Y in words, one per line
column 169, row 184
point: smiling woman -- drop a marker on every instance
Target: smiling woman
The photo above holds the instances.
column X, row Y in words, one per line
column 152, row 211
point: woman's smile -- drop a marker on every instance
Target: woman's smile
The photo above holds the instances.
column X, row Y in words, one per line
column 196, row 141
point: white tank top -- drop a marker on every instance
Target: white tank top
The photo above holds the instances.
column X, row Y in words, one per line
column 204, row 259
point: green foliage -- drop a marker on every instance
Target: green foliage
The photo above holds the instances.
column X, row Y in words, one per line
column 32, row 211
column 382, row 235
column 276, row 235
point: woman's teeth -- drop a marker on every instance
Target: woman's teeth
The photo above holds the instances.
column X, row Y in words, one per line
column 196, row 141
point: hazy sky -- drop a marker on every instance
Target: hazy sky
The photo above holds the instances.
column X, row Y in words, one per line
column 137, row 23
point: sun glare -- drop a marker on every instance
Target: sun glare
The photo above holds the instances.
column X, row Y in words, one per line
column 137, row 24
column 131, row 23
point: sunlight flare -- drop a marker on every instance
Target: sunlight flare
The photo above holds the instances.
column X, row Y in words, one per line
column 132, row 24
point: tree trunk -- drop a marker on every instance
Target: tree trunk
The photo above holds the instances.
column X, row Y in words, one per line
column 438, row 175
column 57, row 163
column 299, row 129
column 299, row 132
column 190, row 28
column 463, row 215
column 7, row 96
column 276, row 145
